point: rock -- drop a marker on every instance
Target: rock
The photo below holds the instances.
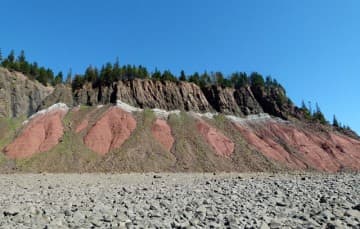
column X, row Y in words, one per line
column 356, row 207
column 12, row 210
column 20, row 96
column 162, row 133
column 41, row 134
column 60, row 94
column 110, row 131
column 322, row 200
column 222, row 145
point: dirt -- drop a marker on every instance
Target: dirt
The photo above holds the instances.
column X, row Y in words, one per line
column 82, row 126
column 110, row 131
column 162, row 133
column 41, row 134
column 222, row 145
column 300, row 148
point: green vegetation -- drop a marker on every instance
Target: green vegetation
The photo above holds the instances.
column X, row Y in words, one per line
column 8, row 129
column 32, row 70
column 113, row 72
column 316, row 116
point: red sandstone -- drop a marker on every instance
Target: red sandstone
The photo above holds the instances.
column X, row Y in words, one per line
column 110, row 131
column 162, row 133
column 41, row 134
column 307, row 148
column 222, row 145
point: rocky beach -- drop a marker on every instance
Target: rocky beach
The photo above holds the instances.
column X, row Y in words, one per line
column 180, row 200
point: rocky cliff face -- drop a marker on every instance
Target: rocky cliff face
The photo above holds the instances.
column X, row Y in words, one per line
column 19, row 95
column 118, row 137
column 232, row 101
column 147, row 94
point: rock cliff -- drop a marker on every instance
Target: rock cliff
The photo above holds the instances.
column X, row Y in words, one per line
column 20, row 96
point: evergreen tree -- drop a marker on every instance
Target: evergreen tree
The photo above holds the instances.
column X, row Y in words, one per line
column 195, row 78
column 257, row 80
column 1, row 58
column 58, row 78
column 156, row 75
column 21, row 57
column 335, row 122
column 11, row 56
column 204, row 80
column 182, row 76
column 69, row 77
column 168, row 76
column 318, row 115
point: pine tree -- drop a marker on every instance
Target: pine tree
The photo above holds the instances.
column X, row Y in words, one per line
column 182, row 76
column 69, row 77
column 11, row 56
column 0, row 56
column 58, row 78
column 335, row 122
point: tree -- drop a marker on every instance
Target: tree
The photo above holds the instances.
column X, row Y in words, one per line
column 78, row 82
column 182, row 76
column 0, row 56
column 43, row 76
column 335, row 122
column 58, row 78
column 195, row 78
column 91, row 74
column 168, row 76
column 11, row 56
column 69, row 77
column 204, row 80
column 319, row 116
column 156, row 75
column 21, row 57
column 257, row 80
column 142, row 72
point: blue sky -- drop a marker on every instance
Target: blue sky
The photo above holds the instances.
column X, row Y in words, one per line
column 311, row 47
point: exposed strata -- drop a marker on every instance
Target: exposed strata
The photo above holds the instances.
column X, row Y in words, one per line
column 20, row 96
column 41, row 133
column 222, row 145
column 300, row 149
column 110, row 131
column 162, row 133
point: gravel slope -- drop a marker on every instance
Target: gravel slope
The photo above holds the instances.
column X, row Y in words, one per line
column 180, row 201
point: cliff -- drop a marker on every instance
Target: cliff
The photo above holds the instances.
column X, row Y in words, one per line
column 147, row 125
column 20, row 96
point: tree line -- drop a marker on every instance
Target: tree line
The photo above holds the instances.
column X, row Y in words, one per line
column 32, row 70
column 113, row 72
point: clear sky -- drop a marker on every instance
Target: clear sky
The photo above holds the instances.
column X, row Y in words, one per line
column 311, row 47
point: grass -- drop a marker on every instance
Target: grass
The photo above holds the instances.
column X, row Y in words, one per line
column 8, row 129
column 70, row 155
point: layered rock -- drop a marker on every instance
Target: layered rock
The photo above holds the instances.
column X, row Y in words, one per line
column 232, row 101
column 221, row 144
column 20, row 96
column 110, row 131
column 42, row 132
column 274, row 101
column 147, row 94
column 300, row 148
column 61, row 94
column 162, row 133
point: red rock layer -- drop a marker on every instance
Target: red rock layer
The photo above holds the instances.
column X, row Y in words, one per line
column 82, row 126
column 110, row 131
column 302, row 149
column 222, row 145
column 41, row 134
column 162, row 132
